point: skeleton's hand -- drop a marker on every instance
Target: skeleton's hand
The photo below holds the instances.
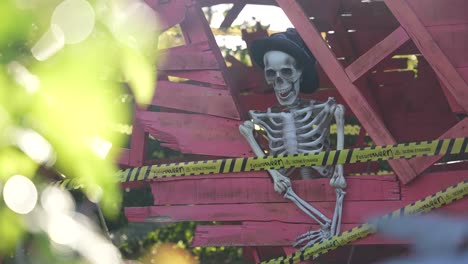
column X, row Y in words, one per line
column 338, row 180
column 246, row 129
column 281, row 182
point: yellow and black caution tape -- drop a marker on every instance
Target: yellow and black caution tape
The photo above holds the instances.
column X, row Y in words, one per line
column 441, row 198
column 232, row 165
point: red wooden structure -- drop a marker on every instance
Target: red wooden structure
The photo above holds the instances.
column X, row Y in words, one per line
column 358, row 67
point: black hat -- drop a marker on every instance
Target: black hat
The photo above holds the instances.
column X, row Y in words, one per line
column 289, row 42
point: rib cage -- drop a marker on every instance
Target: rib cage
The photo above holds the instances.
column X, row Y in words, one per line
column 305, row 129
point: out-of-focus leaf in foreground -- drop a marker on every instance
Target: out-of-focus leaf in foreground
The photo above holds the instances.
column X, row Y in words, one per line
column 63, row 69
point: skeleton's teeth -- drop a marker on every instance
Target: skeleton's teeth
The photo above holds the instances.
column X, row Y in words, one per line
column 286, row 92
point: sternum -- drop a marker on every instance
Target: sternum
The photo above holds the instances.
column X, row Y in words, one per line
column 289, row 133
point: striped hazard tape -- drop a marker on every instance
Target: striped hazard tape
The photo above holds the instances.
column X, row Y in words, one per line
column 232, row 165
column 441, row 198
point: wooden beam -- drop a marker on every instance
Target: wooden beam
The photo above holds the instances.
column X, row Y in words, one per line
column 422, row 163
column 207, row 76
column 233, row 190
column 376, row 54
column 189, row 61
column 137, row 142
column 196, row 134
column 196, row 99
column 196, row 29
column 124, row 157
column 232, row 14
column 266, row 234
column 372, row 122
column 354, row 212
column 431, row 183
column 431, row 51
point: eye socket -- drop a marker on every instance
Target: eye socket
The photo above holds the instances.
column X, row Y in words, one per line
column 286, row 72
column 270, row 73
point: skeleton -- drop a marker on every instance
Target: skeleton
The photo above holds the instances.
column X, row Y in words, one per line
column 299, row 126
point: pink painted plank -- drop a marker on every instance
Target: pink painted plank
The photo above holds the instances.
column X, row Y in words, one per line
column 217, row 2
column 414, row 109
column 392, row 78
column 188, row 48
column 240, row 175
column 251, row 254
column 376, row 54
column 363, row 22
column 137, row 214
column 169, row 13
column 456, row 108
column 432, row 183
column 284, row 234
column 124, row 157
column 431, row 51
column 452, row 39
column 353, row 212
column 232, row 190
column 137, row 143
column 195, row 98
column 440, row 12
column 208, row 76
column 464, row 73
column 391, row 64
column 363, row 110
column 196, row 29
column 196, row 134
column 265, row 234
column 364, row 40
column 422, row 163
column 189, row 61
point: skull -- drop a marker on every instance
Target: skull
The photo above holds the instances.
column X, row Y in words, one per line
column 281, row 71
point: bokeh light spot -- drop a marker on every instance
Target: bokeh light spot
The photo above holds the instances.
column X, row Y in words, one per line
column 169, row 253
column 75, row 18
column 135, row 21
column 49, row 44
column 20, row 194
column 63, row 230
column 35, row 146
column 55, row 200
column 23, row 77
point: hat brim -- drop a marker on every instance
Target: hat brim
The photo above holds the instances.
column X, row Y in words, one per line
column 259, row 47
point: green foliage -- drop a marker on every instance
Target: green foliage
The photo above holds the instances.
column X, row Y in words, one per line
column 57, row 113
column 182, row 234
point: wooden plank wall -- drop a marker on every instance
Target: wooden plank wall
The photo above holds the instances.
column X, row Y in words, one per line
column 249, row 203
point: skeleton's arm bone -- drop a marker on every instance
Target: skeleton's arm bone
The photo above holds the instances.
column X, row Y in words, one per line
column 339, row 118
column 281, row 182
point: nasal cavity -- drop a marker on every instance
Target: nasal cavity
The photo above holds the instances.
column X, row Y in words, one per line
column 279, row 80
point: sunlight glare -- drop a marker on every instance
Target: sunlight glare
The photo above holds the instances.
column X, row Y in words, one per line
column 20, row 194
column 100, row 146
column 134, row 21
